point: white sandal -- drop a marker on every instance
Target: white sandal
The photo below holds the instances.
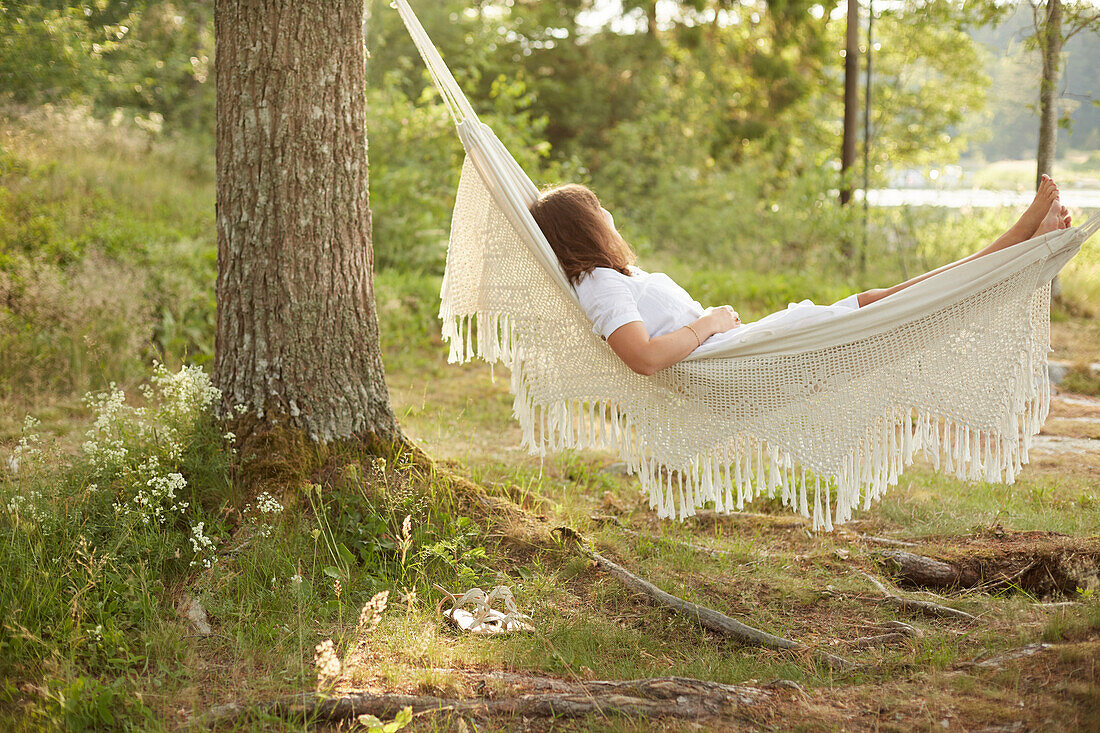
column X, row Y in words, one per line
column 483, row 619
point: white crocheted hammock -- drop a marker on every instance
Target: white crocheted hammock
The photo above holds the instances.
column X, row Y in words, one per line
column 954, row 366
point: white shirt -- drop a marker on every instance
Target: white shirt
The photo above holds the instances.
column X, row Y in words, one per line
column 612, row 299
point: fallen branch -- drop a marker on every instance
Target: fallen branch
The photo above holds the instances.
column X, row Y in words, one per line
column 675, row 697
column 911, row 604
column 708, row 617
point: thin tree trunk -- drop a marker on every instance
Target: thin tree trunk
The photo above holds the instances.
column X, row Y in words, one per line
column 1051, row 44
column 297, row 340
column 1051, row 41
column 851, row 100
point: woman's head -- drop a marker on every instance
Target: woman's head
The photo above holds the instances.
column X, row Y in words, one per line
column 581, row 232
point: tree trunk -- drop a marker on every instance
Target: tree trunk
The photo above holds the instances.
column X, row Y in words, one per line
column 1051, row 41
column 297, row 340
column 851, row 100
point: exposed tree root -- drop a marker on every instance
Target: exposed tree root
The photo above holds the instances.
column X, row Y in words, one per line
column 925, row 571
column 542, row 697
column 912, row 604
column 891, row 632
column 998, row 661
column 708, row 617
column 1039, row 563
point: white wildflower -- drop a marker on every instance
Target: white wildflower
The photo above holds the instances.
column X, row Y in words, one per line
column 296, row 579
column 159, row 497
column 268, row 504
column 26, row 506
column 187, row 392
column 29, row 446
column 202, row 545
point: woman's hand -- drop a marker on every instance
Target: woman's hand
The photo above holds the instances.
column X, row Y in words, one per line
column 647, row 356
column 722, row 318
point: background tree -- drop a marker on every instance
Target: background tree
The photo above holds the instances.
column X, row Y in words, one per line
column 851, row 97
column 297, row 337
column 1054, row 24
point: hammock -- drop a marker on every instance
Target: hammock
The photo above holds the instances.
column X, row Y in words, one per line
column 824, row 416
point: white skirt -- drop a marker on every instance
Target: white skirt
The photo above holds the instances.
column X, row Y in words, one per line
column 802, row 313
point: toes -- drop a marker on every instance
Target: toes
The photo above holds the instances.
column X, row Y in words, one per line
column 1048, row 190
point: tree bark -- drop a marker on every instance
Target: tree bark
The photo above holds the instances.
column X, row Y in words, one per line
column 297, row 339
column 1051, row 41
column 851, row 100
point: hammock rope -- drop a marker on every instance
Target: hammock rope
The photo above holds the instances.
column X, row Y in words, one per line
column 823, row 417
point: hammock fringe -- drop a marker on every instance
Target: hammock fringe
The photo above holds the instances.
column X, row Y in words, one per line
column 726, row 477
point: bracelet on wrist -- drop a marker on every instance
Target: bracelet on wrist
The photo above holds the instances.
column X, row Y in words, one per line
column 698, row 340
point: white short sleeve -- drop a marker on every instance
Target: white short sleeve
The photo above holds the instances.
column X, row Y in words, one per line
column 608, row 300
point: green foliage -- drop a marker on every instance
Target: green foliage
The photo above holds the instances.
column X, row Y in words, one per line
column 154, row 59
column 49, row 53
column 415, row 157
column 87, row 704
column 374, row 725
column 929, row 79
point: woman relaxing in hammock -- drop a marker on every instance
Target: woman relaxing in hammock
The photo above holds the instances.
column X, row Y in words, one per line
column 652, row 323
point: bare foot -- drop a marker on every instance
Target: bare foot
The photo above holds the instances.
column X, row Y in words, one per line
column 1066, row 217
column 1053, row 221
column 1040, row 205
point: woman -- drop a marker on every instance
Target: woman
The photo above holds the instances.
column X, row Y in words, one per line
column 652, row 323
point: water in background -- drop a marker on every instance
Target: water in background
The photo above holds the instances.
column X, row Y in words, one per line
column 972, row 197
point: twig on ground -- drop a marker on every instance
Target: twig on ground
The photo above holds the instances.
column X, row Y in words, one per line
column 1005, row 580
column 676, row 697
column 911, row 604
column 885, row 541
column 1056, row 604
column 708, row 617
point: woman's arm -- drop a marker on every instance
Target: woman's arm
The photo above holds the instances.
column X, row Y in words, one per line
column 647, row 356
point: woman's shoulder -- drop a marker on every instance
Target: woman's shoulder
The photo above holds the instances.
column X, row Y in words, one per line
column 601, row 275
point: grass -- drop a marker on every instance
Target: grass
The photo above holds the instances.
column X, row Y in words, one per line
column 92, row 630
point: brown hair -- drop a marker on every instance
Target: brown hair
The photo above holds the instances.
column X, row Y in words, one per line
column 573, row 223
